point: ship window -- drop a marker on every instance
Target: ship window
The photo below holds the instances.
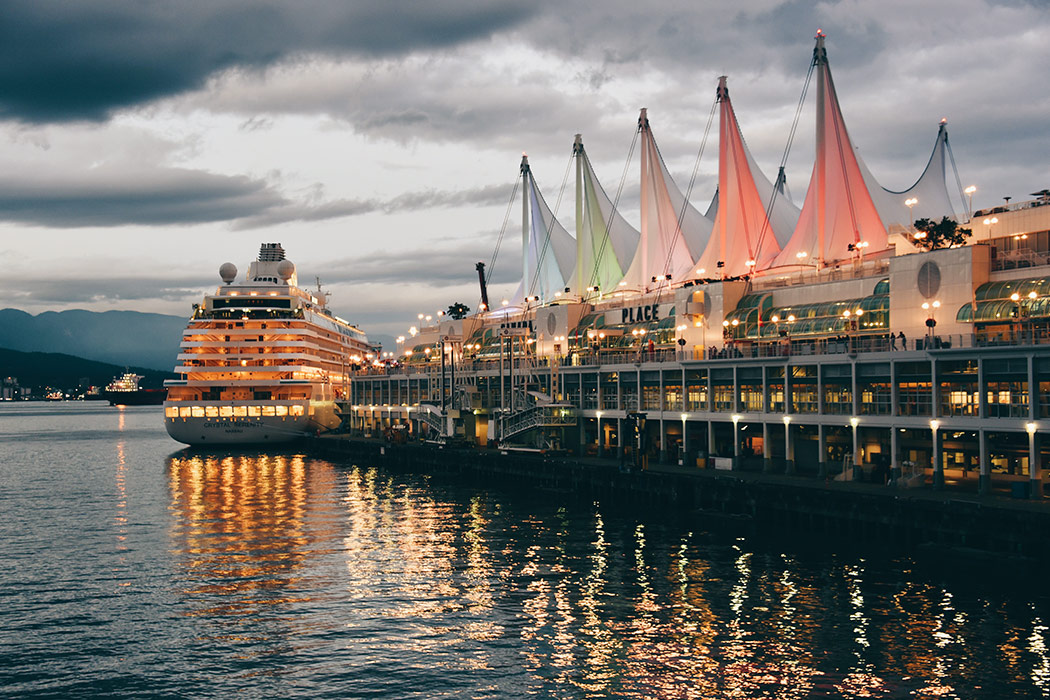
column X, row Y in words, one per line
column 267, row 410
column 210, row 411
column 253, row 411
column 171, row 411
column 225, row 411
column 240, row 411
column 296, row 410
column 184, row 411
column 282, row 410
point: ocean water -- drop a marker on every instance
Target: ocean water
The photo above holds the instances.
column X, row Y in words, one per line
column 131, row 567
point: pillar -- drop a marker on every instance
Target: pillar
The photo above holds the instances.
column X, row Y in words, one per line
column 711, row 438
column 686, row 460
column 938, row 468
column 895, row 460
column 601, row 437
column 822, row 451
column 619, row 438
column 984, row 481
column 663, row 436
column 789, row 449
column 1035, row 472
column 767, row 450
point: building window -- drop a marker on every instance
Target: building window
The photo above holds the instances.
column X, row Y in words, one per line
column 1007, row 399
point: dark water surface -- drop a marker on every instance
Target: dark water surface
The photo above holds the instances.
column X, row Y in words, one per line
column 131, row 567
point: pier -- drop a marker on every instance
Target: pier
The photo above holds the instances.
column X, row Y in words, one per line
column 953, row 523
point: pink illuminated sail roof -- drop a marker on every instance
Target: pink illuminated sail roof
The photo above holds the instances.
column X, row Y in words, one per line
column 749, row 220
column 839, row 217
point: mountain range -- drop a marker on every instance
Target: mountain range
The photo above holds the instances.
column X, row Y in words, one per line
column 123, row 338
column 35, row 370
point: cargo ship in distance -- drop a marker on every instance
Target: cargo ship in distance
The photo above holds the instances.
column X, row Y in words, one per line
column 125, row 391
column 262, row 361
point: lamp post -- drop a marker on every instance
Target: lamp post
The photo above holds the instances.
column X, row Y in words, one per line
column 969, row 193
column 858, row 473
column 789, row 454
column 736, row 439
column 685, row 444
column 911, row 202
column 931, row 319
column 989, row 222
column 600, row 441
column 938, row 470
column 1035, row 478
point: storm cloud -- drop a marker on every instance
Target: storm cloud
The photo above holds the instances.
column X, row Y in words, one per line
column 62, row 60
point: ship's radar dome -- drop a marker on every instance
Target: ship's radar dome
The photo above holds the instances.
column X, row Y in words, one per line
column 228, row 272
column 285, row 269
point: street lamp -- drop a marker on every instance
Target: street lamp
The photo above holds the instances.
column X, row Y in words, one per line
column 969, row 193
column 685, row 446
column 736, row 439
column 989, row 222
column 938, row 471
column 911, row 202
column 1035, row 480
column 599, row 415
column 931, row 316
column 857, row 473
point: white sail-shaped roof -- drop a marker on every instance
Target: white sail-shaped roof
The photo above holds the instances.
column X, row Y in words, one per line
column 548, row 251
column 839, row 215
column 742, row 230
column 931, row 190
column 673, row 233
column 605, row 242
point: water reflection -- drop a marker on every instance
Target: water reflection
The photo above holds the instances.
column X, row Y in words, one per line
column 239, row 529
column 499, row 596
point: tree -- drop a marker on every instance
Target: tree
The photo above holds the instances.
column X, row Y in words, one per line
column 946, row 233
column 458, row 310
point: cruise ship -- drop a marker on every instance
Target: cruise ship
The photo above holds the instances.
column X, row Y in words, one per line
column 261, row 361
column 900, row 337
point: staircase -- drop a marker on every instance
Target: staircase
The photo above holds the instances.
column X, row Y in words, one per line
column 551, row 415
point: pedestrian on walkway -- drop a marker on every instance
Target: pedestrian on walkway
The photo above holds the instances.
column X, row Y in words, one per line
column 893, row 341
column 904, row 341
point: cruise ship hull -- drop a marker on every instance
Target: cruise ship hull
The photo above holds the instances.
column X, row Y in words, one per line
column 248, row 430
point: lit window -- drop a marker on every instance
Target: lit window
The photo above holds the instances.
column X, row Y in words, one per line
column 184, row 412
column 240, row 411
column 209, row 411
column 171, row 411
column 297, row 410
column 267, row 410
column 282, row 410
column 253, row 411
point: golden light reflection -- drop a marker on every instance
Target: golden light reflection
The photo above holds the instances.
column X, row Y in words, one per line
column 240, row 528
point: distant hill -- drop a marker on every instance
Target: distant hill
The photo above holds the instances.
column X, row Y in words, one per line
column 117, row 337
column 39, row 369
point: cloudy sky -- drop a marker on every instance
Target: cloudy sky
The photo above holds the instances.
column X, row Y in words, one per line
column 145, row 143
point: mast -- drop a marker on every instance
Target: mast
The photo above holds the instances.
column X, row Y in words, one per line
column 820, row 60
column 643, row 243
column 722, row 95
column 526, row 275
column 577, row 152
